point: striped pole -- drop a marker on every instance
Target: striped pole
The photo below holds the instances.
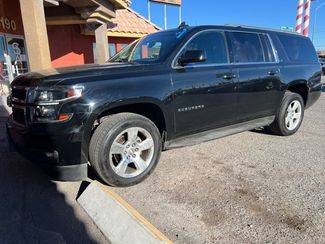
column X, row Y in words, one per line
column 307, row 18
column 300, row 10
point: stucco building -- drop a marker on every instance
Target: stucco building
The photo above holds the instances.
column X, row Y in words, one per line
column 40, row 34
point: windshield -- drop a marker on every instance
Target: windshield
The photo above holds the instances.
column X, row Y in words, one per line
column 322, row 60
column 124, row 54
column 152, row 48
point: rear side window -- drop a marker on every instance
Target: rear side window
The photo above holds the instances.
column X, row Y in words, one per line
column 298, row 49
column 213, row 44
column 246, row 47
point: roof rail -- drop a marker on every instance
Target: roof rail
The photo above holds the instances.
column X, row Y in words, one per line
column 261, row 28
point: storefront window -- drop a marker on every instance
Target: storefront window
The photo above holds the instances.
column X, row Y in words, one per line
column 17, row 52
column 3, row 62
column 112, row 49
column 123, row 45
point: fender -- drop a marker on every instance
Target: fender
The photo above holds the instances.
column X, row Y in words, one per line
column 297, row 82
column 101, row 109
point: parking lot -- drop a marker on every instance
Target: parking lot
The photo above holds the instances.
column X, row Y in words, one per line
column 249, row 188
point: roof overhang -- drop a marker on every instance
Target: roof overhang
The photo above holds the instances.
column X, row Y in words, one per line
column 117, row 3
column 65, row 12
column 124, row 34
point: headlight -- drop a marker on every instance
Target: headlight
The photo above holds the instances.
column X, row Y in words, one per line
column 47, row 103
column 40, row 96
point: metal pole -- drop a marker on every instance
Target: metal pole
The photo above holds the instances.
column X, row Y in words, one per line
column 299, row 17
column 180, row 14
column 305, row 31
column 149, row 11
column 315, row 21
column 314, row 27
column 165, row 10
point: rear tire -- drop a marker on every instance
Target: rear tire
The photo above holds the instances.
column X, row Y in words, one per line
column 289, row 116
column 124, row 149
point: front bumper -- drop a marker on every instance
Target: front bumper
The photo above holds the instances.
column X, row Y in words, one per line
column 51, row 148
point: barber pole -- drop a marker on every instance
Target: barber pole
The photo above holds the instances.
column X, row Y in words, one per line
column 300, row 10
column 307, row 18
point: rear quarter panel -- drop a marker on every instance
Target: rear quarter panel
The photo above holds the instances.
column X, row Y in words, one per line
column 308, row 73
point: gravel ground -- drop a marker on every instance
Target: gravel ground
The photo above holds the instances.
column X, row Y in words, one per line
column 247, row 188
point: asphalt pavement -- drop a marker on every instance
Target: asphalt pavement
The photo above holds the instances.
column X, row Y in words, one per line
column 34, row 209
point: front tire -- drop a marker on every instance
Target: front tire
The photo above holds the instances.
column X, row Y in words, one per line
column 124, row 149
column 289, row 116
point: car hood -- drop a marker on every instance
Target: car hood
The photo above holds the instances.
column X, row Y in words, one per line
column 50, row 77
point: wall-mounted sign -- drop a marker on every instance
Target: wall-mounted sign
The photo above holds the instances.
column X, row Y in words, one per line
column 7, row 24
column 173, row 2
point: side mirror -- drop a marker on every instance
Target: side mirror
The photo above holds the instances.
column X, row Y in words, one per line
column 192, row 56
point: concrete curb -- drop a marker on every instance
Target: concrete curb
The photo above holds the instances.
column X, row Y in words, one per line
column 118, row 220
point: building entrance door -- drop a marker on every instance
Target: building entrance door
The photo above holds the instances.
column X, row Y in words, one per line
column 3, row 62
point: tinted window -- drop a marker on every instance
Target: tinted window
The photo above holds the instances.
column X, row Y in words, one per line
column 268, row 50
column 298, row 49
column 213, row 44
column 246, row 47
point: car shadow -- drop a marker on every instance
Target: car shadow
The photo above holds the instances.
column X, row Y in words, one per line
column 264, row 131
column 33, row 209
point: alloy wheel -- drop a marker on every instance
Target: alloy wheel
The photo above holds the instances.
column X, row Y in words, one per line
column 131, row 152
column 293, row 115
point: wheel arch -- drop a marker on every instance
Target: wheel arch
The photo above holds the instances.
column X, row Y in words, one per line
column 149, row 108
column 300, row 87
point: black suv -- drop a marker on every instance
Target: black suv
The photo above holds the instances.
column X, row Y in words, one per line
column 170, row 89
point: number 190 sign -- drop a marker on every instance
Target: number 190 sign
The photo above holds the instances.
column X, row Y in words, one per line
column 173, row 2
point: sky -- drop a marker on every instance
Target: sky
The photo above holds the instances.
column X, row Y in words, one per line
column 262, row 13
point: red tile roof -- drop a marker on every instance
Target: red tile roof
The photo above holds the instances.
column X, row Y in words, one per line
column 129, row 23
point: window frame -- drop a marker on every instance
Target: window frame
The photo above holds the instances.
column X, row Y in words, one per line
column 264, row 39
column 177, row 56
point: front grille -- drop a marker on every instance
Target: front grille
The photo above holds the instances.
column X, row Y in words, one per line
column 18, row 115
column 19, row 94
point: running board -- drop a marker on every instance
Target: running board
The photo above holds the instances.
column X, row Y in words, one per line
column 218, row 133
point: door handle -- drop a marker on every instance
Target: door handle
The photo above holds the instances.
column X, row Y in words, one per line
column 228, row 76
column 272, row 72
